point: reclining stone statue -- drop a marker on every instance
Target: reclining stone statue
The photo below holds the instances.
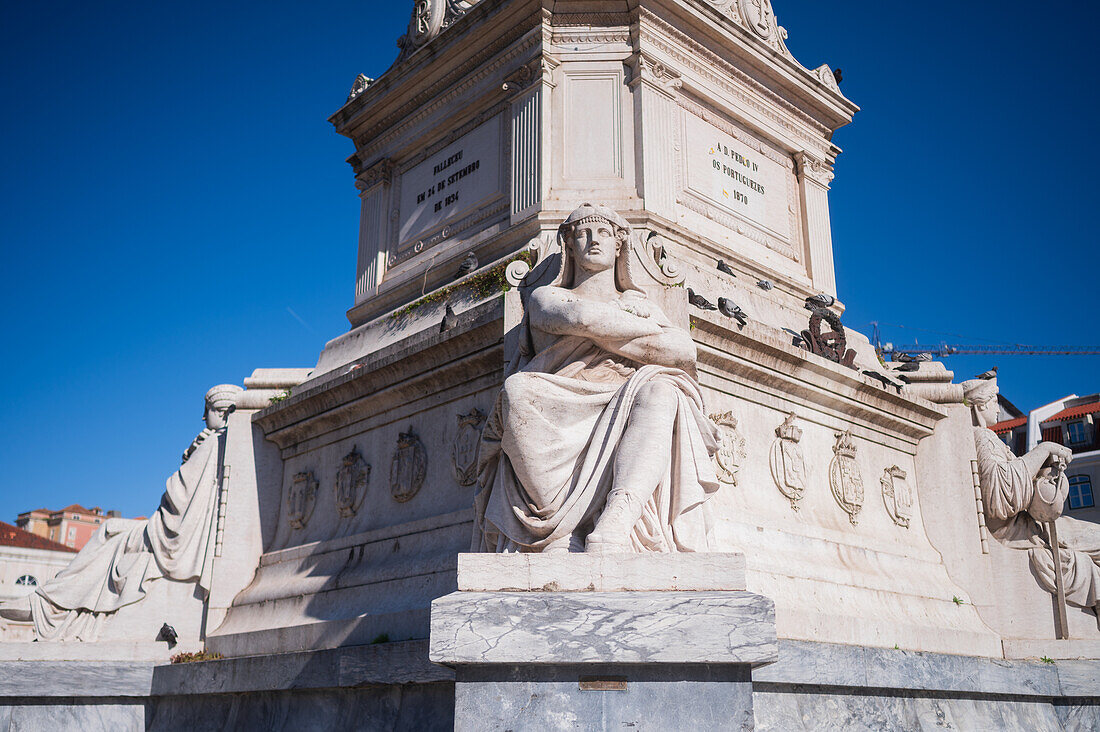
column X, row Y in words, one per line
column 1020, row 493
column 118, row 566
column 599, row 440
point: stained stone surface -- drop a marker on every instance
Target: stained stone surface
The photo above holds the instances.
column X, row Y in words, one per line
column 600, row 572
column 603, row 627
column 650, row 698
column 416, row 708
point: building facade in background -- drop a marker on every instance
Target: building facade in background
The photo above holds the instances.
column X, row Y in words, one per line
column 1069, row 421
column 72, row 526
column 26, row 561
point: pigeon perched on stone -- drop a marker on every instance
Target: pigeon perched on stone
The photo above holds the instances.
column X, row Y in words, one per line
column 167, row 635
column 838, row 75
column 730, row 310
column 725, row 268
column 450, row 320
column 765, row 284
column 699, row 301
column 820, row 301
column 988, row 375
column 797, row 339
column 886, row 383
column 907, row 357
column 913, row 365
column 469, row 264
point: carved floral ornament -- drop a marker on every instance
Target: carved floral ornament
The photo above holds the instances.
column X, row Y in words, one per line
column 430, row 18
column 787, row 461
column 845, row 480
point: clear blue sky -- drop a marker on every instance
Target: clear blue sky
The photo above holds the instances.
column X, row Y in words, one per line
column 175, row 210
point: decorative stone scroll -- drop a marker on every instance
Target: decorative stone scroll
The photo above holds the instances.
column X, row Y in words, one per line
column 732, row 449
column 787, row 461
column 408, row 467
column 301, row 499
column 897, row 495
column 465, row 449
column 845, row 480
column 351, row 484
column 429, row 19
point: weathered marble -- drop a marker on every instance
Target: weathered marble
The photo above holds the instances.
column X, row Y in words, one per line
column 520, row 698
column 104, row 714
column 602, row 627
column 858, row 667
column 589, row 572
column 51, row 679
column 409, row 708
column 792, row 710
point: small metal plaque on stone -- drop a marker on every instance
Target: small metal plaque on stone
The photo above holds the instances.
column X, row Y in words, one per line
column 602, row 683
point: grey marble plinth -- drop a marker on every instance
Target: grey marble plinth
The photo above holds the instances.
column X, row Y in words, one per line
column 603, row 627
column 596, row 642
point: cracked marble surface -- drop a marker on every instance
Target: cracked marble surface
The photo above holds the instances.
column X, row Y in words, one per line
column 603, row 627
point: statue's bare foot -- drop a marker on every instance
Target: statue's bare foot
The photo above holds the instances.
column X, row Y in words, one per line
column 17, row 610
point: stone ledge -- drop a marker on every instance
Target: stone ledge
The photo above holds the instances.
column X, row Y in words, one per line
column 548, row 572
column 862, row 667
column 384, row 663
column 602, row 627
column 66, row 679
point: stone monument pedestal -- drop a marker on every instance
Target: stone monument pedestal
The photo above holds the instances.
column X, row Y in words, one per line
column 552, row 641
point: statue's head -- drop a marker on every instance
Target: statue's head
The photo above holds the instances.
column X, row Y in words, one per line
column 595, row 238
column 220, row 401
column 981, row 395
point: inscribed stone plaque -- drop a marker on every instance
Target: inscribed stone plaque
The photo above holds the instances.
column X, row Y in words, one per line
column 740, row 181
column 449, row 184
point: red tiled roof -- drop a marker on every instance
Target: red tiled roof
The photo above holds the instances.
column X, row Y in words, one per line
column 1079, row 411
column 1008, row 425
column 75, row 508
column 14, row 536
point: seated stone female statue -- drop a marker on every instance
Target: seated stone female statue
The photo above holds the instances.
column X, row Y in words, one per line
column 599, row 441
column 1020, row 492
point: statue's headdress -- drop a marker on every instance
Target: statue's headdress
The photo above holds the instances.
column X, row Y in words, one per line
column 589, row 213
column 223, row 396
column 980, row 391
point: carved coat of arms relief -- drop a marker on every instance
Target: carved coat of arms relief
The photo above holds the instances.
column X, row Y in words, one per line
column 464, row 452
column 732, row 447
column 352, row 480
column 788, row 464
column 408, row 467
column 301, row 498
column 845, row 479
column 897, row 495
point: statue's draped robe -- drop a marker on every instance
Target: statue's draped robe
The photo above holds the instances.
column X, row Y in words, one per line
column 117, row 564
column 548, row 451
column 1007, row 491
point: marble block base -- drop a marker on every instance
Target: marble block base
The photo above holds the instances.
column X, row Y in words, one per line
column 602, row 642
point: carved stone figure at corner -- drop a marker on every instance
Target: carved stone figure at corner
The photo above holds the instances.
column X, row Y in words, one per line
column 127, row 558
column 1020, row 492
column 598, row 440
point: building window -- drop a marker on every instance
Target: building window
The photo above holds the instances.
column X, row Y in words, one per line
column 1077, row 433
column 1080, row 492
column 26, row 581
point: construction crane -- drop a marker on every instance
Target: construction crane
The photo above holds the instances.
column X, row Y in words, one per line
column 940, row 350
